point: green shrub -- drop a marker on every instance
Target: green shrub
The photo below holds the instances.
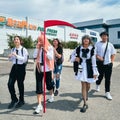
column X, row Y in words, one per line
column 27, row 41
column 70, row 44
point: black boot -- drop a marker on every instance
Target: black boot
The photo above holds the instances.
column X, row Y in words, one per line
column 83, row 109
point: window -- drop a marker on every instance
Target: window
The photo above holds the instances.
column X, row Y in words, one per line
column 94, row 40
column 118, row 34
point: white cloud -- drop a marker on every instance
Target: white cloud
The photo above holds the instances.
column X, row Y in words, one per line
column 68, row 10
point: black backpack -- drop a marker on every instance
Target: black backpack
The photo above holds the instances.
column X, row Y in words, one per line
column 27, row 57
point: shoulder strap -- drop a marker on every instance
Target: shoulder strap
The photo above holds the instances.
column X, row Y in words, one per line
column 92, row 50
column 105, row 50
column 22, row 51
column 12, row 49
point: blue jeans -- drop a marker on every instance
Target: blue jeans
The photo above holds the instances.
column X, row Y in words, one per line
column 57, row 72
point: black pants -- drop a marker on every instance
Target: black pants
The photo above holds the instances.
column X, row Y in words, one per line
column 17, row 74
column 105, row 71
column 39, row 81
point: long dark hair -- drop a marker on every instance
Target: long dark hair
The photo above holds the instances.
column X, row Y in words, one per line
column 59, row 43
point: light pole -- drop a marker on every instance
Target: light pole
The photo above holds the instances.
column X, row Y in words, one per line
column 26, row 26
column 64, row 34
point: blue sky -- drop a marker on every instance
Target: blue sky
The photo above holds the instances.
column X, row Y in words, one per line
column 68, row 10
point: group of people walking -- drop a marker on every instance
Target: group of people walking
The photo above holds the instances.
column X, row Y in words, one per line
column 49, row 60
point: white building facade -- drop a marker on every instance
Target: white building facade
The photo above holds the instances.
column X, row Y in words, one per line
column 31, row 27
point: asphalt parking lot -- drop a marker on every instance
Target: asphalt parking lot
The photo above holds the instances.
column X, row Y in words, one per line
column 67, row 105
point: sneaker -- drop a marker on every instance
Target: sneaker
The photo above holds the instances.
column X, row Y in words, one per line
column 108, row 96
column 84, row 108
column 56, row 93
column 19, row 104
column 97, row 88
column 51, row 99
column 38, row 109
column 12, row 104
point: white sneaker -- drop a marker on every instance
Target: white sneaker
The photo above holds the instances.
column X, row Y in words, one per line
column 51, row 99
column 97, row 88
column 108, row 96
column 38, row 109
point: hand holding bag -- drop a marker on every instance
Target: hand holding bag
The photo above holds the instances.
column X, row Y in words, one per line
column 100, row 63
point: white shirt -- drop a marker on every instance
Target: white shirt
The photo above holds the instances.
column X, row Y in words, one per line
column 49, row 55
column 100, row 49
column 22, row 58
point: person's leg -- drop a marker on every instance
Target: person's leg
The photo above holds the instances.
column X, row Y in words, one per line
column 88, row 88
column 11, row 88
column 101, row 74
column 59, row 69
column 50, row 85
column 100, row 77
column 108, row 73
column 84, row 94
column 11, row 83
column 20, row 82
column 39, row 91
column 57, row 84
column 57, row 81
column 84, row 89
column 39, row 106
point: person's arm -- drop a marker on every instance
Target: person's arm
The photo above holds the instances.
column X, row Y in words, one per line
column 113, row 52
column 11, row 56
column 98, row 57
column 94, row 65
column 73, row 56
column 112, row 58
column 22, row 58
column 58, row 54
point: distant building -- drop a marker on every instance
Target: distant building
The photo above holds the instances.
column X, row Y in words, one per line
column 26, row 26
column 111, row 26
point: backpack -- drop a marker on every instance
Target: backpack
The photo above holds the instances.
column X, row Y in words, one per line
column 27, row 57
column 22, row 55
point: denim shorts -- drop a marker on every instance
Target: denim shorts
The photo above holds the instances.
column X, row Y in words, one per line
column 57, row 69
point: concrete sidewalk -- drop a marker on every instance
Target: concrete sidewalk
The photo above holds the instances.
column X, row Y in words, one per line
column 66, row 63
